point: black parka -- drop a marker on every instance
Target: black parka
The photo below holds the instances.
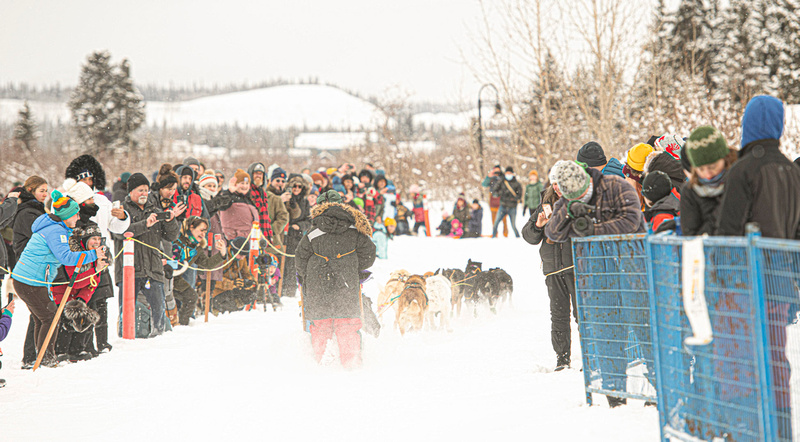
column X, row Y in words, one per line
column 699, row 214
column 146, row 260
column 329, row 260
column 555, row 255
column 28, row 209
column 508, row 197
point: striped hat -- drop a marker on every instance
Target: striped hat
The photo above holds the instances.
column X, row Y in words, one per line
column 64, row 207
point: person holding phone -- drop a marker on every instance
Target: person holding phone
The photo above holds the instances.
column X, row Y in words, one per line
column 150, row 224
column 559, row 276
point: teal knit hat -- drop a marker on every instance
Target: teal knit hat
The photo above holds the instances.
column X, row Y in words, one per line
column 705, row 146
column 64, row 207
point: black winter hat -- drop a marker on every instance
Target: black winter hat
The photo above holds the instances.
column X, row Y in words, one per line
column 365, row 172
column 136, row 180
column 510, row 169
column 685, row 163
column 592, row 154
column 185, row 171
column 652, row 140
column 664, row 162
column 656, row 185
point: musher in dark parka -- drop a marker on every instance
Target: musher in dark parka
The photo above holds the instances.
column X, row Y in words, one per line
column 328, row 261
column 597, row 204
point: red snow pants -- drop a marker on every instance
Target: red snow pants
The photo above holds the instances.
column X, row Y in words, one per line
column 347, row 335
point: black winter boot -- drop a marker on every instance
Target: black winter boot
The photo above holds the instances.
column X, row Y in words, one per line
column 562, row 362
column 615, row 402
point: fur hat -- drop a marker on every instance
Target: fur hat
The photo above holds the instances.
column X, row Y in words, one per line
column 87, row 166
column 316, row 177
column 77, row 241
column 330, row 196
column 64, row 207
column 241, row 176
column 137, row 180
column 80, row 317
column 79, row 192
column 571, row 178
column 592, row 154
column 208, row 177
column 638, row 155
column 656, row 185
column 705, row 146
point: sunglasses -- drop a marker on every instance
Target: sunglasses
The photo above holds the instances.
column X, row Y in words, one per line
column 297, row 186
column 279, row 181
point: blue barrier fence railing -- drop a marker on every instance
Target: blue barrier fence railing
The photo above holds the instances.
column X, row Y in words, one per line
column 711, row 321
column 614, row 316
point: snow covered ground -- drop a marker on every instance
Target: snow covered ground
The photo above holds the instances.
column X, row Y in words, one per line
column 251, row 375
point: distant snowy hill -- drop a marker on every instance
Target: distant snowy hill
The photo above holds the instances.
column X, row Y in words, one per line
column 279, row 107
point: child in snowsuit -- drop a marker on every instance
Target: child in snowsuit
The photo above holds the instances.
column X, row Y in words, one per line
column 446, row 225
column 274, row 278
column 456, row 231
column 77, row 320
column 475, row 224
column 419, row 208
column 661, row 199
column 190, row 250
column 381, row 234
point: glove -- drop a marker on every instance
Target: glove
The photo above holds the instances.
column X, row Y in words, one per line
column 583, row 226
column 168, row 271
column 666, row 225
column 577, row 209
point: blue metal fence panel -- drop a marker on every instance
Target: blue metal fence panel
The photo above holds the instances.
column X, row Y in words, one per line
column 614, row 316
column 714, row 390
column 779, row 270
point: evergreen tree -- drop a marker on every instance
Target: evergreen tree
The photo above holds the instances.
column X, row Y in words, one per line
column 690, row 36
column 738, row 66
column 783, row 47
column 26, row 131
column 106, row 107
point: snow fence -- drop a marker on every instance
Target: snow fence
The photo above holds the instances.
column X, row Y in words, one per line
column 717, row 337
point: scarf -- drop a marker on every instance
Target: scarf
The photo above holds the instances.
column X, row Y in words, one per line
column 207, row 194
column 711, row 187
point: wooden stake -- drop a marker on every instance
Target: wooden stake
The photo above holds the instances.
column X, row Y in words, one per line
column 53, row 326
column 283, row 261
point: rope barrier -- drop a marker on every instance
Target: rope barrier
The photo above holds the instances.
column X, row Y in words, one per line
column 195, row 268
column 57, row 283
column 559, row 271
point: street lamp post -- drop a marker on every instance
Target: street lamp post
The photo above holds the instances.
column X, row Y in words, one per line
column 497, row 110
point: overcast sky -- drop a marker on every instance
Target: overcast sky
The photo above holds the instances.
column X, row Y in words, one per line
column 364, row 45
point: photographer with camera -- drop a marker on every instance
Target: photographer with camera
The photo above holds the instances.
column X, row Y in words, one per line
column 597, row 204
column 592, row 204
column 37, row 267
column 489, row 181
column 150, row 224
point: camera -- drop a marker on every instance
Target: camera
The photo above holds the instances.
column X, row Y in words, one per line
column 162, row 216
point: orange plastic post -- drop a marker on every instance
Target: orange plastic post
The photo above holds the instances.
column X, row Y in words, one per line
column 427, row 220
column 128, row 289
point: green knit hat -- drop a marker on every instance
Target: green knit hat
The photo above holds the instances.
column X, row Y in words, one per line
column 330, row 196
column 705, row 146
column 64, row 207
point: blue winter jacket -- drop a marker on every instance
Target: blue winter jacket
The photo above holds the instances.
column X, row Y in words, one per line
column 47, row 250
column 475, row 223
column 614, row 167
column 381, row 239
column 762, row 120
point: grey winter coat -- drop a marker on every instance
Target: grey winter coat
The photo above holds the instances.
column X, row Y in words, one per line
column 329, row 260
column 146, row 260
column 7, row 211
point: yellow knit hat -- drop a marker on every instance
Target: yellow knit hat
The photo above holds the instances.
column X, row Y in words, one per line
column 390, row 222
column 330, row 171
column 638, row 155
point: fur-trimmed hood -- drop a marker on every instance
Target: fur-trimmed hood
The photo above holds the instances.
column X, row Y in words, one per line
column 342, row 212
column 79, row 234
column 298, row 179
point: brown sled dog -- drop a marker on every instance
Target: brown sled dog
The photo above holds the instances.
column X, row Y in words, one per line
column 397, row 280
column 412, row 305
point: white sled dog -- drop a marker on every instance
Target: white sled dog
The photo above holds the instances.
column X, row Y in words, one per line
column 439, row 291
